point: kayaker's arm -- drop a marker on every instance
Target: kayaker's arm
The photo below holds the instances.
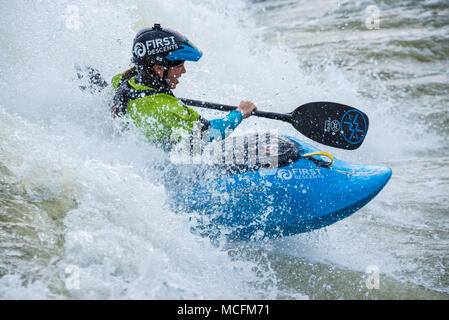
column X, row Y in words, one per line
column 221, row 128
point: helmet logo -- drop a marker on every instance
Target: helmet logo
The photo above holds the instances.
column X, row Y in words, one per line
column 160, row 42
column 140, row 49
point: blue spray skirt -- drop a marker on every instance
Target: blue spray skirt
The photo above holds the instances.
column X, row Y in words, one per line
column 296, row 198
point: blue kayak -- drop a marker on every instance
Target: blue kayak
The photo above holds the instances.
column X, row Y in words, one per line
column 304, row 192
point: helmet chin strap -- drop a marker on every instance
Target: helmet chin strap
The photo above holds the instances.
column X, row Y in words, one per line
column 165, row 76
column 166, row 65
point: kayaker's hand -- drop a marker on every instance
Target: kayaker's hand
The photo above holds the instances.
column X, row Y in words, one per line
column 246, row 107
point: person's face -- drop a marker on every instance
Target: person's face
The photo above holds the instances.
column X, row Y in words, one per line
column 174, row 73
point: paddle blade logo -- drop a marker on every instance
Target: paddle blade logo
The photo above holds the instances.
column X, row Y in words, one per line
column 353, row 126
column 331, row 125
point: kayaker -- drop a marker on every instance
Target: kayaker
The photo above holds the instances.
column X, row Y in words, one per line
column 144, row 92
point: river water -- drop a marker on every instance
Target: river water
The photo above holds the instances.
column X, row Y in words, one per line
column 82, row 215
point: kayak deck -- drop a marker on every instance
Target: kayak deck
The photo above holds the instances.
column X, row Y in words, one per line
column 300, row 196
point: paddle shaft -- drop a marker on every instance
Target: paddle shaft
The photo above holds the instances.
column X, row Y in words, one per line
column 222, row 107
column 329, row 123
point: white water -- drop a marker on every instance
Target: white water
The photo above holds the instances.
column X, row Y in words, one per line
column 86, row 197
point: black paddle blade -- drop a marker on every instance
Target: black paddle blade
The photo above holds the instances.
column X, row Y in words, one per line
column 331, row 124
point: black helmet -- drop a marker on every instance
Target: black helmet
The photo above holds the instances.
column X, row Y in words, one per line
column 162, row 46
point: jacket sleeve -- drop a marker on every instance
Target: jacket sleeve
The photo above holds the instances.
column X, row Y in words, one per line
column 221, row 128
column 162, row 117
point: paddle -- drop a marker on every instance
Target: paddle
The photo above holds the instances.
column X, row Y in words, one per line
column 332, row 124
